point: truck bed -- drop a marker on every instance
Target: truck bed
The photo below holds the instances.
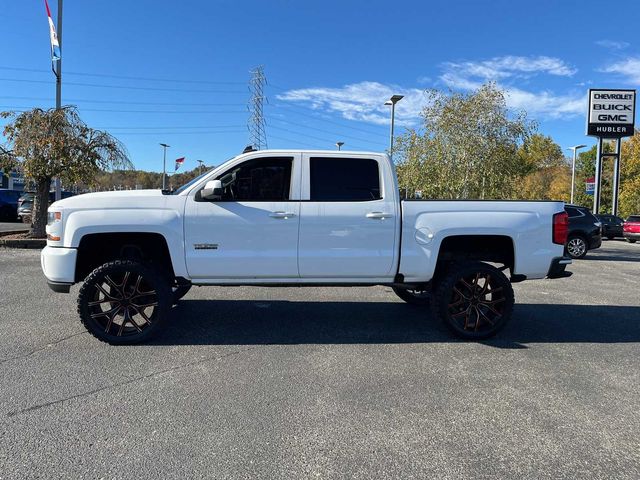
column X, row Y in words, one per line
column 527, row 224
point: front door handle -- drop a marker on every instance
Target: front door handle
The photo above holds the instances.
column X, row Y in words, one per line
column 379, row 215
column 282, row 215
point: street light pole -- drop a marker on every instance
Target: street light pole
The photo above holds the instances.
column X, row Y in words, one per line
column 164, row 165
column 59, row 61
column 392, row 101
column 573, row 168
column 58, row 73
column 200, row 166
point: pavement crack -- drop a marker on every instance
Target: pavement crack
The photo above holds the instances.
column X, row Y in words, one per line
column 48, row 345
column 128, row 382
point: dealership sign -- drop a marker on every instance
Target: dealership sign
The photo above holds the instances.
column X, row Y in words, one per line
column 611, row 113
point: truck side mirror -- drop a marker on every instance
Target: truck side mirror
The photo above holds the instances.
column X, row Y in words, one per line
column 212, row 190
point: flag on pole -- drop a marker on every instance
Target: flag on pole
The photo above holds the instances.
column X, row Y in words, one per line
column 55, row 46
column 179, row 162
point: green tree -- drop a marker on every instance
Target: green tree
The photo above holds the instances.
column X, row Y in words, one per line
column 544, row 170
column 539, row 151
column 467, row 146
column 57, row 143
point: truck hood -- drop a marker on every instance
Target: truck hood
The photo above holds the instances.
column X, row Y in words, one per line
column 118, row 199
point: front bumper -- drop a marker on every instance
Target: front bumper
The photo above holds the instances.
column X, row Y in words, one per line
column 632, row 235
column 59, row 266
column 558, row 266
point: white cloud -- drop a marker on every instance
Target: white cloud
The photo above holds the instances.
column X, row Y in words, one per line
column 510, row 66
column 505, row 70
column 546, row 104
column 362, row 101
column 629, row 68
column 612, row 44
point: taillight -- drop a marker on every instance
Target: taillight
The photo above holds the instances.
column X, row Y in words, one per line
column 560, row 228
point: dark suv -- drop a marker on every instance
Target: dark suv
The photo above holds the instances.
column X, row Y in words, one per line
column 585, row 231
column 9, row 205
column 611, row 226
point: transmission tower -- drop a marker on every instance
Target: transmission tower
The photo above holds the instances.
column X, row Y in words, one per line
column 256, row 124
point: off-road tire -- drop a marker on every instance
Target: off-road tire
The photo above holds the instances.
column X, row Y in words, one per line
column 473, row 311
column 139, row 283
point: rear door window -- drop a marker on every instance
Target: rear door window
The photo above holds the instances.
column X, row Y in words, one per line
column 334, row 179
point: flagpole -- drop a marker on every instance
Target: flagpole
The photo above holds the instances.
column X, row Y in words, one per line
column 59, row 87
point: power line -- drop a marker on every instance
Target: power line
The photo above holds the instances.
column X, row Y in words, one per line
column 124, row 102
column 123, row 87
column 341, row 135
column 20, row 109
column 303, row 112
column 330, row 142
column 204, row 132
column 182, row 127
column 256, row 125
column 305, row 144
column 124, row 77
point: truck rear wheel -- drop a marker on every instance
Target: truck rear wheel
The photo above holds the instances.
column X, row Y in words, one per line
column 124, row 302
column 475, row 300
column 413, row 297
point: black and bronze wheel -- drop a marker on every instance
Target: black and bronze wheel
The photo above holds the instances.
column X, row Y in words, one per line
column 124, row 302
column 475, row 300
column 413, row 296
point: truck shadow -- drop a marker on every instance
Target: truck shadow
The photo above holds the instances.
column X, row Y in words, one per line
column 280, row 322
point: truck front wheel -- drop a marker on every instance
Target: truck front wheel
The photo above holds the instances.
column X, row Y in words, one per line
column 124, row 302
column 474, row 299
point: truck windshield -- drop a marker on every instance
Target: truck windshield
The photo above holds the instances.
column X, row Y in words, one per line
column 188, row 184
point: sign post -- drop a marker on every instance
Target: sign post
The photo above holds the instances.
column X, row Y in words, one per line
column 610, row 116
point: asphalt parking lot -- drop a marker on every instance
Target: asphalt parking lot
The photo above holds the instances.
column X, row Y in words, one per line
column 10, row 226
column 326, row 382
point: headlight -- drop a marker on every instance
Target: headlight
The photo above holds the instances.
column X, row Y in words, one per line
column 54, row 225
column 54, row 217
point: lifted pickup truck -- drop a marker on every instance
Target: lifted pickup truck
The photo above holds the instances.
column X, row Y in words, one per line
column 303, row 218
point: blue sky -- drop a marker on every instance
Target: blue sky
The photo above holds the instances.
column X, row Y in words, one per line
column 177, row 72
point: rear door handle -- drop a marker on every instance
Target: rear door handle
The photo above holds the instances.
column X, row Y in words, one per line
column 380, row 215
column 282, row 215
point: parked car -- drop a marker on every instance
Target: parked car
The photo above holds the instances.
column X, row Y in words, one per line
column 9, row 205
column 611, row 226
column 25, row 204
column 304, row 218
column 631, row 228
column 585, row 231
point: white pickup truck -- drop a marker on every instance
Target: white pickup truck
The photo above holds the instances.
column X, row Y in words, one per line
column 297, row 218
